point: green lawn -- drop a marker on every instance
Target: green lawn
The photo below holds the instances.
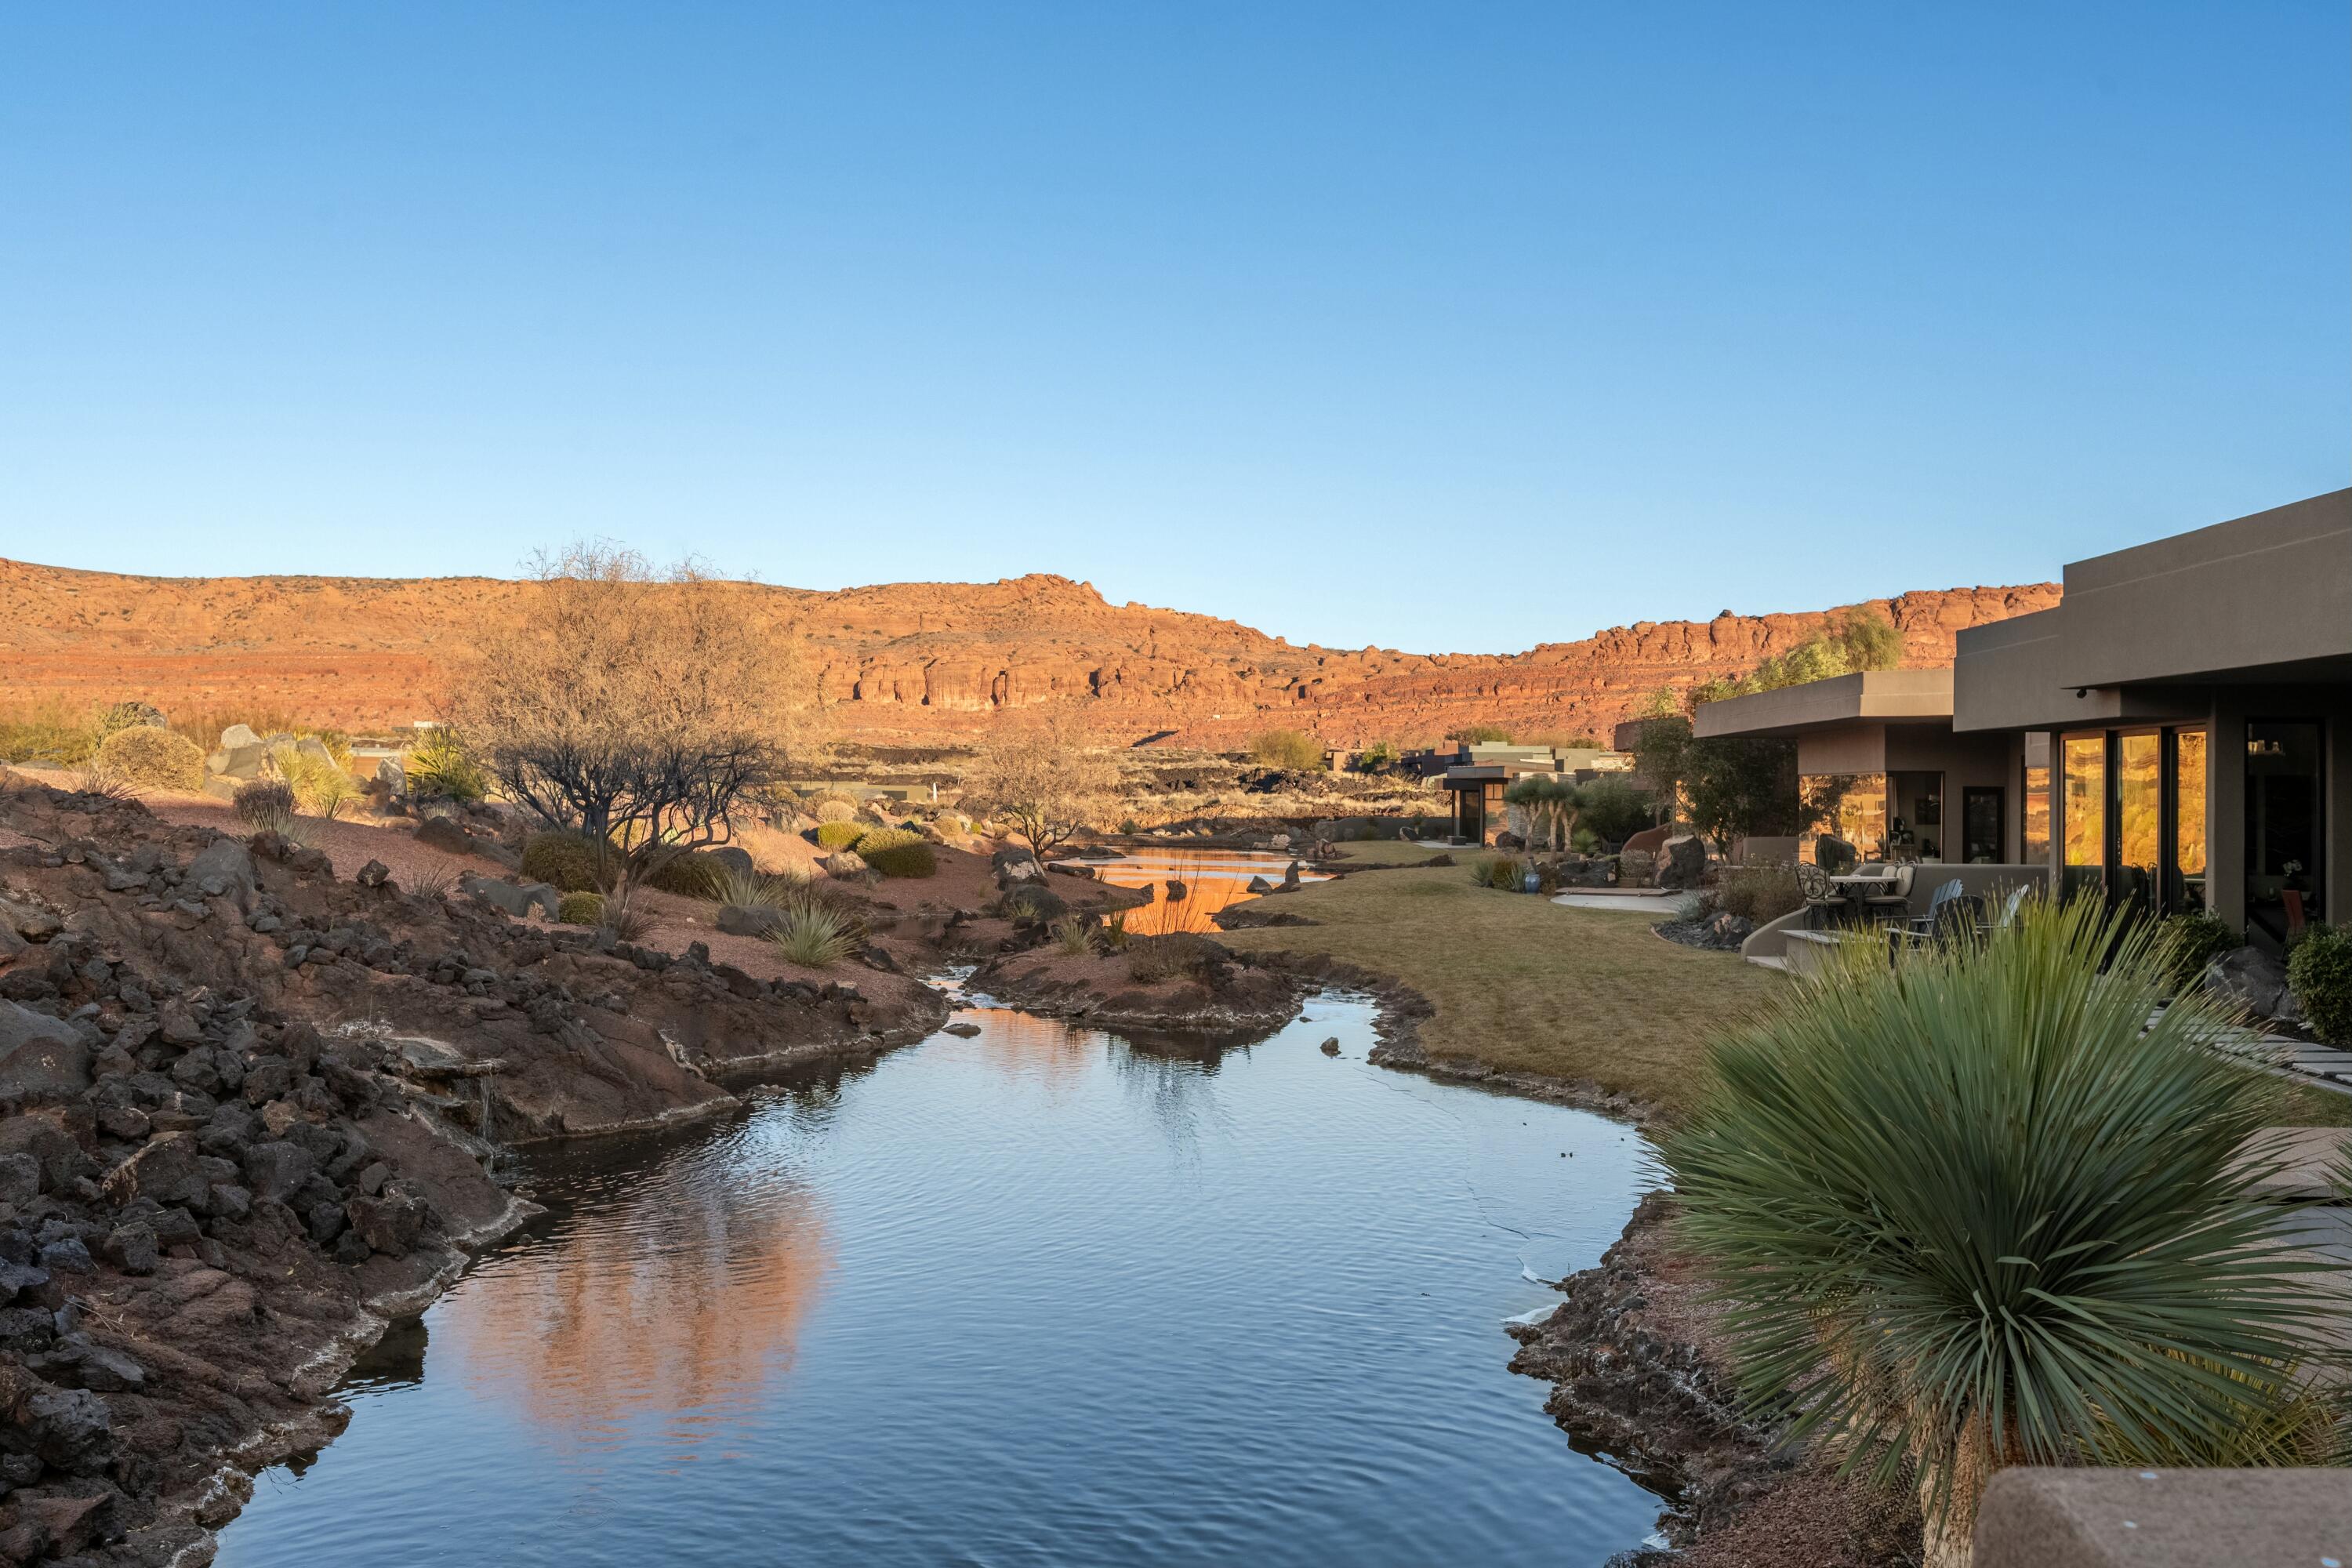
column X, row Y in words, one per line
column 1525, row 985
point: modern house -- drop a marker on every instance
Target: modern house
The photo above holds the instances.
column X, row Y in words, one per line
column 1482, row 772
column 2175, row 733
column 2191, row 700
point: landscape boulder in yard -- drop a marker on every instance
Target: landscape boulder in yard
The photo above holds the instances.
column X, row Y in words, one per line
column 2250, row 978
column 1682, row 861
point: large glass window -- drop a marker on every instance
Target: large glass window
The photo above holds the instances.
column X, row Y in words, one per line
column 2033, row 846
column 2084, row 779
column 2139, row 806
column 2186, row 888
column 2283, row 826
column 1858, row 814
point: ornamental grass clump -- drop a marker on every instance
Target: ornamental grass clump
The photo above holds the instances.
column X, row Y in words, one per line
column 581, row 909
column 814, row 937
column 1974, row 1209
column 147, row 758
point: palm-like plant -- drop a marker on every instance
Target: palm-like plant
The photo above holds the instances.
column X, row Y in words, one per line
column 1550, row 800
column 1974, row 1209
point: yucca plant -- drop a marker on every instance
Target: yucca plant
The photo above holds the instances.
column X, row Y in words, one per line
column 1974, row 1209
column 1071, row 936
column 814, row 937
column 751, row 890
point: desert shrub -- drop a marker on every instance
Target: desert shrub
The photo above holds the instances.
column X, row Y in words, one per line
column 1976, row 1209
column 581, row 909
column 1292, row 749
column 2319, row 971
column 837, row 808
column 564, row 861
column 840, row 833
column 900, row 855
column 624, row 917
column 814, row 937
column 1502, row 871
column 320, row 784
column 1071, row 936
column 264, row 804
column 1759, row 893
column 1480, row 734
column 1151, row 959
column 1115, row 937
column 439, row 765
column 1377, row 757
column 123, row 715
column 2193, row 941
column 49, row 732
column 148, row 758
column 954, row 824
column 695, row 875
column 1584, row 841
column 735, row 887
column 1129, row 827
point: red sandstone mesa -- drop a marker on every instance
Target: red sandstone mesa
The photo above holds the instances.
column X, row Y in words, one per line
column 919, row 662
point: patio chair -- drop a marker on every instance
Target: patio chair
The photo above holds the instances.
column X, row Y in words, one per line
column 2009, row 907
column 1893, row 905
column 1950, row 912
column 1820, row 898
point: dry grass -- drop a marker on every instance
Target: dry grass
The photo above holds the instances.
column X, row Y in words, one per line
column 1523, row 985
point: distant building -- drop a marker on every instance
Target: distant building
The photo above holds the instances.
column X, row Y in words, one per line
column 1481, row 773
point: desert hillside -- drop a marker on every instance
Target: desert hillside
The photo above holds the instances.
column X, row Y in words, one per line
column 901, row 662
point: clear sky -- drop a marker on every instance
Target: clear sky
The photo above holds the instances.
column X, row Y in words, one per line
column 1440, row 327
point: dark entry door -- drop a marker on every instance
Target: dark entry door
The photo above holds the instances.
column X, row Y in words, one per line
column 1981, row 828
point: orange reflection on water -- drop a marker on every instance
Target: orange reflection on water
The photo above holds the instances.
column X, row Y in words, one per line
column 1209, row 886
column 1048, row 1047
column 684, row 1304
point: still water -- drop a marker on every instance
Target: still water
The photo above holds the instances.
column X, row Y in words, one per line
column 1036, row 1297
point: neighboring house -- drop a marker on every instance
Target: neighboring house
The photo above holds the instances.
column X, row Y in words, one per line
column 1482, row 773
column 2193, row 698
column 2176, row 732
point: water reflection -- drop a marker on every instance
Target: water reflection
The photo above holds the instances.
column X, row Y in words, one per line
column 681, row 1297
column 1211, row 881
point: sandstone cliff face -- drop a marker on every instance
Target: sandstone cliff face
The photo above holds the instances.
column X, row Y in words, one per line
column 901, row 662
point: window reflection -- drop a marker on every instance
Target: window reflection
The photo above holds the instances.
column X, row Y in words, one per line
column 2083, row 764
column 2188, row 889
column 2140, row 766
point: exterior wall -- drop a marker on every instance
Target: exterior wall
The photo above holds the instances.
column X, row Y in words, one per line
column 1848, row 748
column 2258, row 592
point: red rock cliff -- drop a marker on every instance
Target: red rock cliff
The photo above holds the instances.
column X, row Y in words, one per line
column 901, row 662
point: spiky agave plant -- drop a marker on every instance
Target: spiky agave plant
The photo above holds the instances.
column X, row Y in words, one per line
column 813, row 936
column 1974, row 1209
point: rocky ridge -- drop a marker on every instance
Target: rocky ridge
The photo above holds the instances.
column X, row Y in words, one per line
column 905, row 662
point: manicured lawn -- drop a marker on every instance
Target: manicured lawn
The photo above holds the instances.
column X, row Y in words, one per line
column 1583, row 996
column 1525, row 985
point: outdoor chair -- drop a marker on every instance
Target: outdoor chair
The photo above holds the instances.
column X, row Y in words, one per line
column 1893, row 905
column 1951, row 914
column 2009, row 907
column 1820, row 898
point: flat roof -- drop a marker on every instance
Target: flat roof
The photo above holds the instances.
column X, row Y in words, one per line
column 1873, row 696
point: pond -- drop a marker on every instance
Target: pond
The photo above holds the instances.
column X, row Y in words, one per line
column 1033, row 1297
column 1210, row 880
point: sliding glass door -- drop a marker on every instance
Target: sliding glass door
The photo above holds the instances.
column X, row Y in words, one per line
column 2283, row 839
column 2134, row 804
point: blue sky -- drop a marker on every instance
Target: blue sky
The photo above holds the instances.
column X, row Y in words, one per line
column 1434, row 327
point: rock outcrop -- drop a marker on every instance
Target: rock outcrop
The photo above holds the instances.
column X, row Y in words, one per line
column 908, row 661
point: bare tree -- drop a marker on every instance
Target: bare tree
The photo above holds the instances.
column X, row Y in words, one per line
column 637, row 707
column 1039, row 775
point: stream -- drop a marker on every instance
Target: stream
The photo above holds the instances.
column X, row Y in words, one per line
column 1038, row 1296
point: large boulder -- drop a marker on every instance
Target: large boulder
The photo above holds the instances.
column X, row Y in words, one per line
column 224, row 870
column 735, row 858
column 393, row 776
column 443, row 833
column 1013, row 864
column 1648, row 840
column 240, row 755
column 238, row 735
column 2250, row 978
column 748, row 920
column 1034, row 901
column 843, row 863
column 1682, row 861
column 169, row 1168
column 42, row 1059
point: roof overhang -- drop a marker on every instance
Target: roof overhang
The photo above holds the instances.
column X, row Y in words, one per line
column 1871, row 697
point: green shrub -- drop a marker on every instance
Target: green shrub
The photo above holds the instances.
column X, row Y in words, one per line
column 320, row 784
column 1291, row 749
column 1501, row 871
column 894, row 852
column 2193, row 941
column 2319, row 971
column 564, row 861
column 1151, row 959
column 437, row 766
column 1480, row 734
column 840, row 834
column 1759, row 893
column 1614, row 809
column 149, row 758
column 581, row 909
column 1976, row 1209
column 694, row 875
